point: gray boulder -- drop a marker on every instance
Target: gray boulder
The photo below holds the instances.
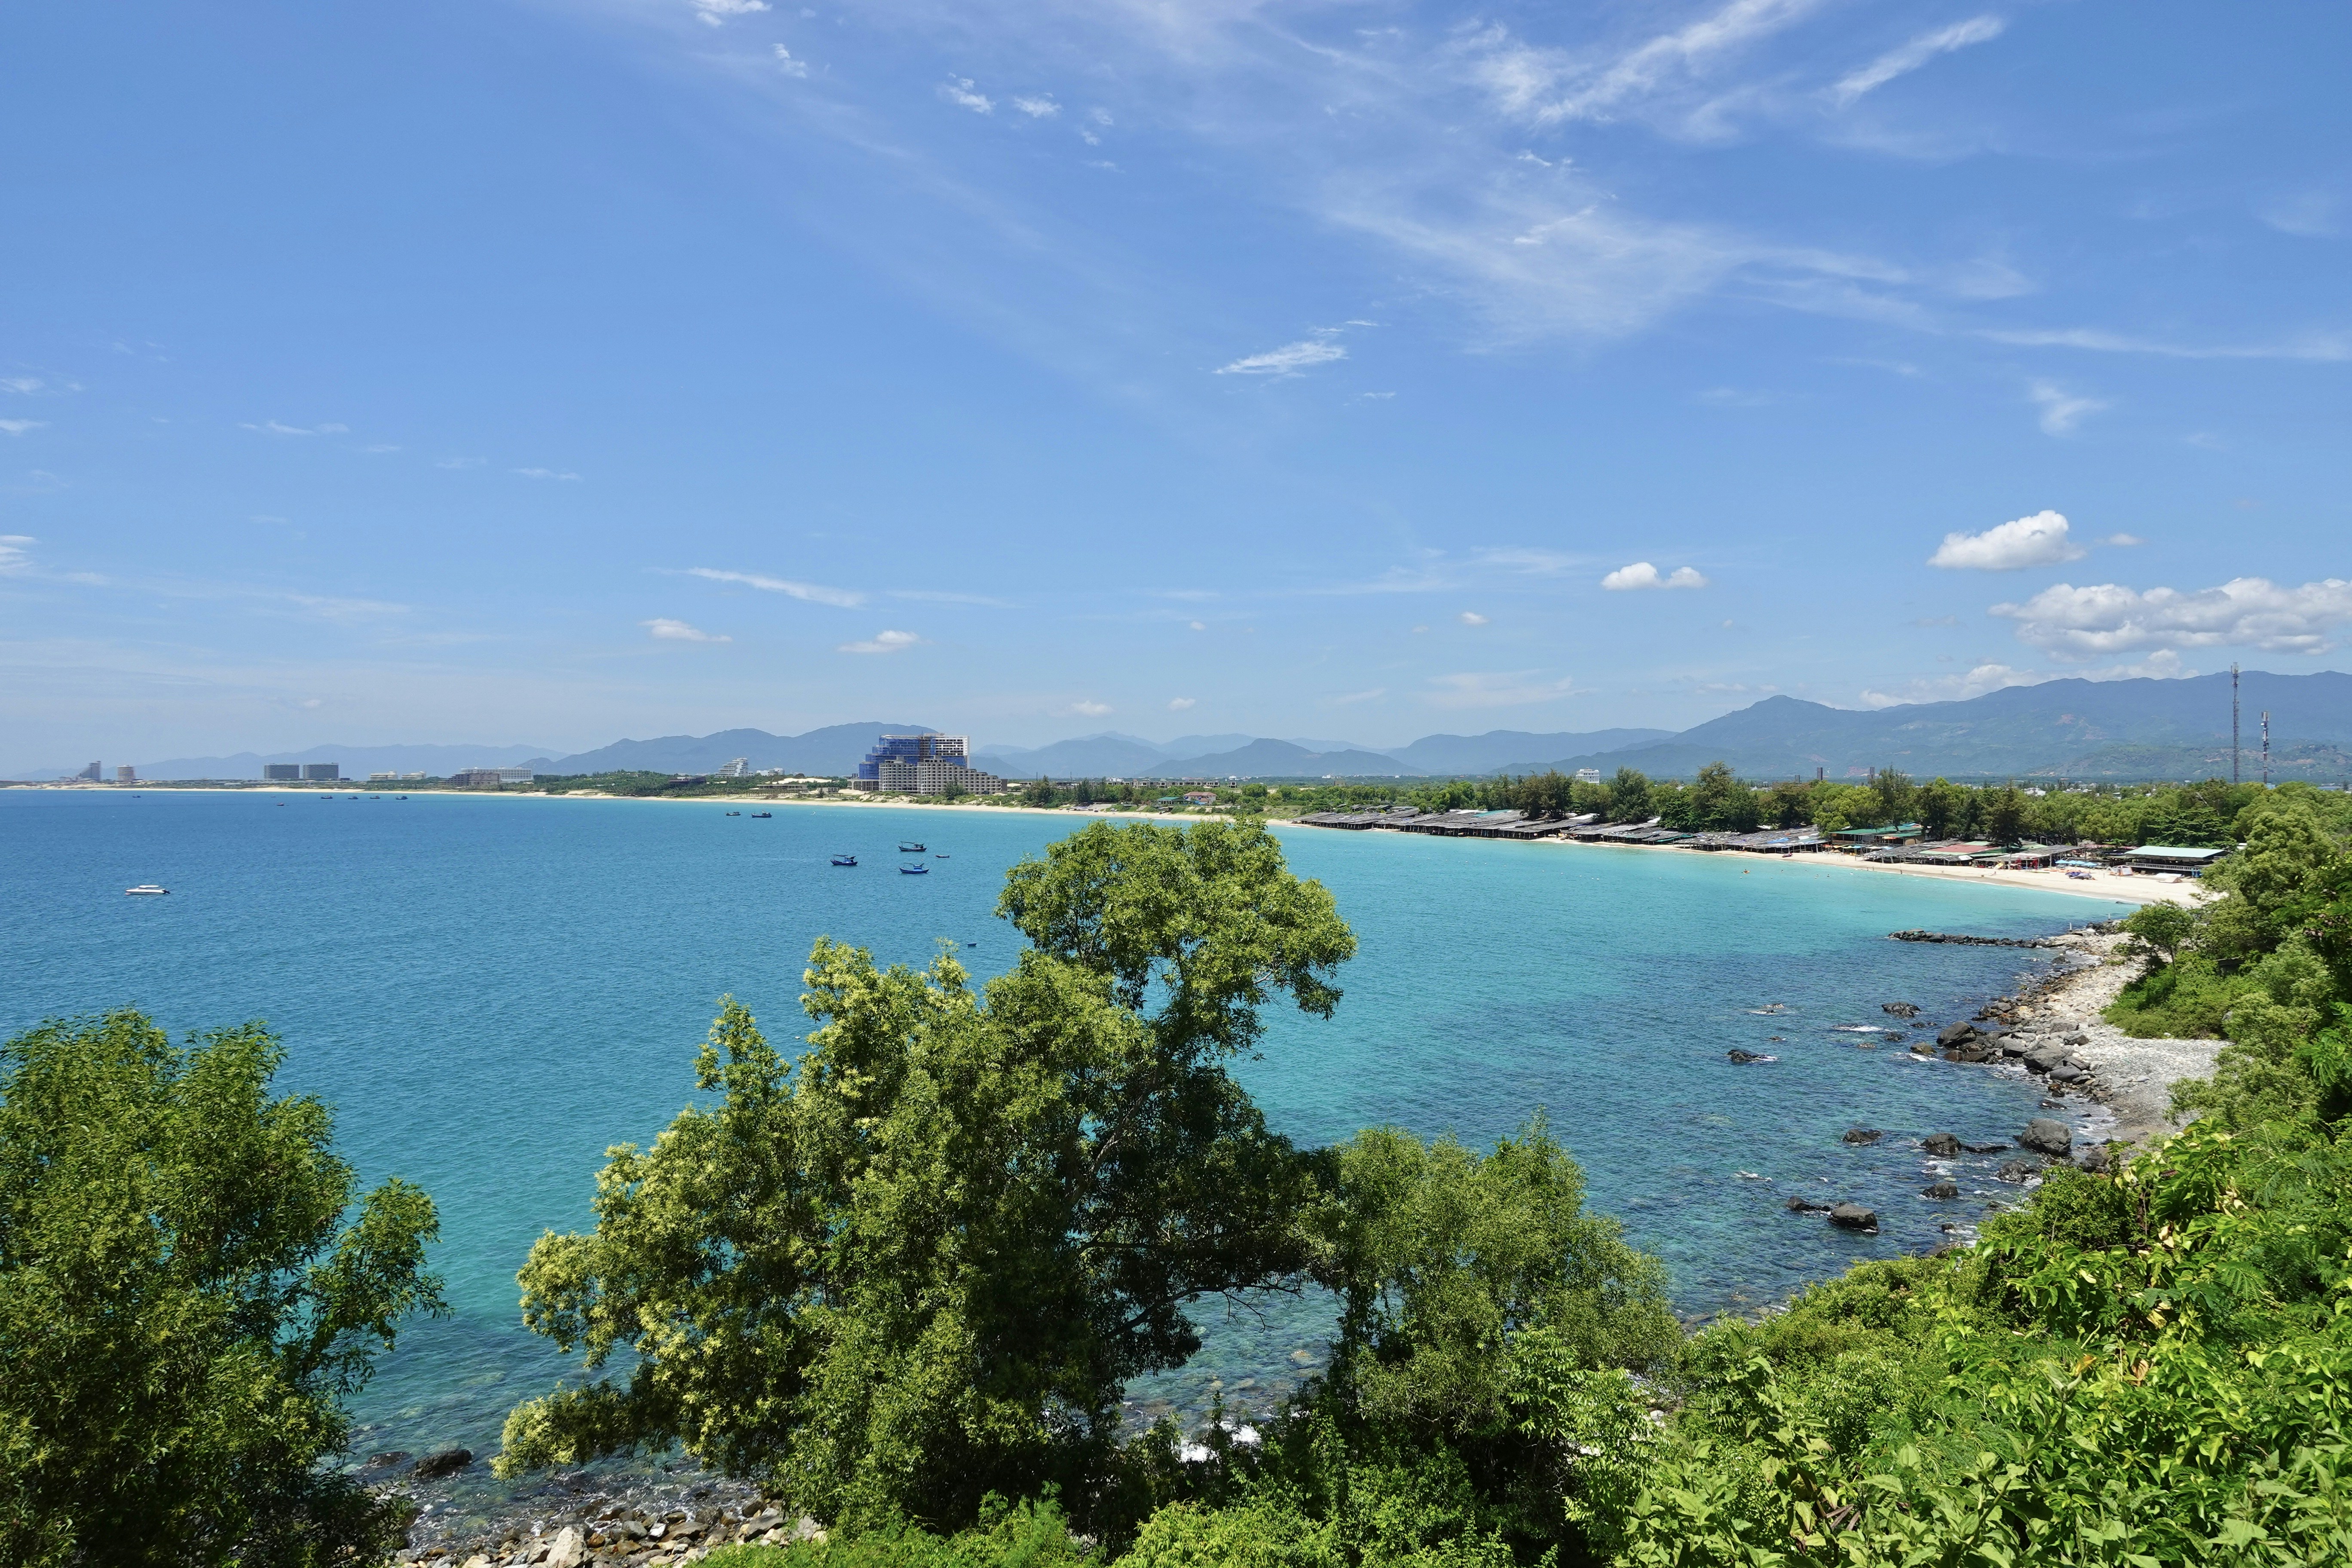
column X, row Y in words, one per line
column 1806, row 1205
column 1953, row 1033
column 2047, row 1135
column 1742, row 1056
column 1900, row 1009
column 2078, row 1038
column 1853, row 1216
column 1862, row 1135
column 2067, row 1072
column 1943, row 1146
column 2018, row 1170
column 2042, row 1059
column 447, row 1462
column 1941, row 1189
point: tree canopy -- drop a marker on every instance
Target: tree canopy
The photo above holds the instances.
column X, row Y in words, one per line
column 183, row 1305
column 918, row 1264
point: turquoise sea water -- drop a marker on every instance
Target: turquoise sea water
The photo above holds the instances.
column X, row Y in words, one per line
column 493, row 990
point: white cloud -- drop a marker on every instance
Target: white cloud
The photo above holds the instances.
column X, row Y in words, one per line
column 1288, row 360
column 21, row 383
column 2248, row 612
column 335, row 429
column 1472, row 618
column 13, row 557
column 1916, row 53
column 1039, row 108
column 816, row 594
column 2309, row 215
column 1345, row 697
column 2161, row 664
column 1505, row 689
column 272, row 427
column 18, row 426
column 789, row 66
column 1642, row 574
column 2037, row 541
column 460, row 462
column 1550, row 85
column 714, row 13
column 1532, row 563
column 1177, row 704
column 2322, row 347
column 957, row 90
column 2061, row 410
column 881, row 642
column 1198, row 626
column 381, row 446
column 2125, row 541
column 545, row 474
column 1086, row 710
column 678, row 631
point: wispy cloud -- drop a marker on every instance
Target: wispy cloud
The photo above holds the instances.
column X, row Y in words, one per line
column 274, row 427
column 1472, row 618
column 2061, row 410
column 1289, row 360
column 12, row 555
column 2318, row 346
column 546, row 474
column 1345, row 699
column 1039, row 108
column 815, row 592
column 714, row 13
column 25, row 384
column 1532, row 563
column 1544, row 86
column 789, row 66
column 881, row 642
column 1910, row 57
column 1177, row 704
column 2125, row 541
column 461, row 462
column 18, row 426
column 947, row 596
column 1488, row 688
column 1086, row 710
column 1642, row 574
column 957, row 91
column 667, row 630
column 2040, row 540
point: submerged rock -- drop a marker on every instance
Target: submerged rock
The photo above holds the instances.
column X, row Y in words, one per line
column 1806, row 1205
column 1744, row 1057
column 2046, row 1136
column 1900, row 1009
column 1984, row 1148
column 1853, row 1216
column 2018, row 1170
column 1862, row 1135
column 447, row 1462
column 1941, row 1189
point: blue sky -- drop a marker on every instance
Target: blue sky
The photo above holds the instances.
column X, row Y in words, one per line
column 555, row 371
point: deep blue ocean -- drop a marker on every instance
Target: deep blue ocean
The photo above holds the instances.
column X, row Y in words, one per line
column 490, row 990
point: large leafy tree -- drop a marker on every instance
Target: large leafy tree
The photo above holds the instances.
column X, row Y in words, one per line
column 186, row 1297
column 918, row 1264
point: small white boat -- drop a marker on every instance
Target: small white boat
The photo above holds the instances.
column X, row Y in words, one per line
column 145, row 890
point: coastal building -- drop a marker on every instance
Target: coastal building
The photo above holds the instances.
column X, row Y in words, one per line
column 126, row 774
column 322, row 773
column 2156, row 857
column 740, row 768
column 1588, row 775
column 489, row 778
column 91, row 772
column 382, row 778
column 281, row 772
column 923, row 764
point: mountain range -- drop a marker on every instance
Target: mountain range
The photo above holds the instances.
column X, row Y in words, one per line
column 2060, row 729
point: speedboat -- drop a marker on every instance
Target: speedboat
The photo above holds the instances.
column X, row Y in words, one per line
column 909, row 847
column 734, row 813
column 145, row 890
column 845, row 859
column 914, row 870
column 941, row 855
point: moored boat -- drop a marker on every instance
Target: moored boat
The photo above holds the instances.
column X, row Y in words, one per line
column 845, row 859
column 909, row 847
column 146, row 890
column 914, row 870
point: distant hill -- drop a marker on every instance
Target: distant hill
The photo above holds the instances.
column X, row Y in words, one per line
column 1090, row 756
column 835, row 749
column 2069, row 729
column 356, row 761
column 1282, row 758
column 1508, row 750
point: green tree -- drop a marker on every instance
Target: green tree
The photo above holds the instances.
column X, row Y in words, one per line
column 919, row 1265
column 1939, row 805
column 1629, row 796
column 183, row 1307
column 2004, row 816
column 1896, row 798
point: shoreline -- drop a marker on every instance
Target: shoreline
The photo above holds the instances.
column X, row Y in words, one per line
column 2108, row 886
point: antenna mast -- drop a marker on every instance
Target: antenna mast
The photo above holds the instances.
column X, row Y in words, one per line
column 2266, row 748
column 2233, row 723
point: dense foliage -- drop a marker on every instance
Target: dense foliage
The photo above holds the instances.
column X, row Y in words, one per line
column 183, row 1305
column 920, row 1264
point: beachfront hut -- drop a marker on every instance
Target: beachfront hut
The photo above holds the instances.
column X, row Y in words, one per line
column 2150, row 859
column 1865, row 839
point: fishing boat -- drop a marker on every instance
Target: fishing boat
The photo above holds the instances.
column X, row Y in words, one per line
column 763, row 814
column 145, row 890
column 909, row 847
column 914, row 870
column 734, row 813
column 941, row 855
column 845, row 859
